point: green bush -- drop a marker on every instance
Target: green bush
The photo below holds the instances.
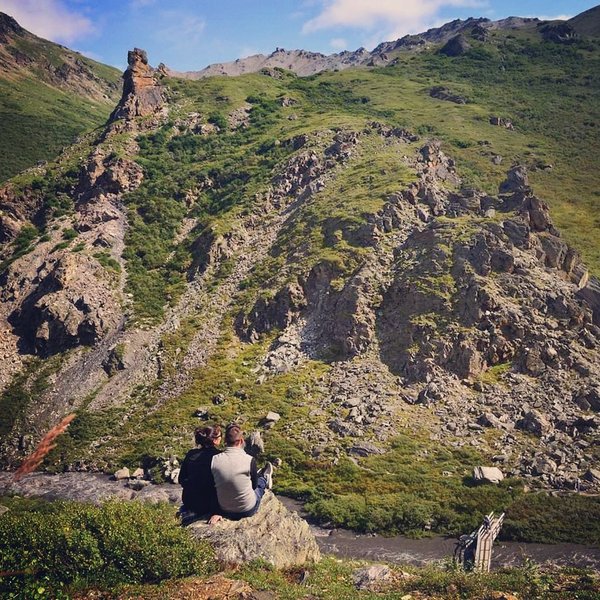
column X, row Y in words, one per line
column 69, row 234
column 67, row 543
column 219, row 120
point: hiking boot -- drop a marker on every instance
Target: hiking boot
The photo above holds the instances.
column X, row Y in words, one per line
column 267, row 473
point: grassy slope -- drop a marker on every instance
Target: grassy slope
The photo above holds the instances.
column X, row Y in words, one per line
column 39, row 118
column 547, row 90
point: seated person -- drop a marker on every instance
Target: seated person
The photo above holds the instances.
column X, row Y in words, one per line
column 199, row 494
column 239, row 485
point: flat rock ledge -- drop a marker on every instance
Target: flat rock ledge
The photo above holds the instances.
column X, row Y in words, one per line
column 274, row 534
column 85, row 487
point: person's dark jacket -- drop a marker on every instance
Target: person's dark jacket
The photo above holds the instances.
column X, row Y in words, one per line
column 199, row 494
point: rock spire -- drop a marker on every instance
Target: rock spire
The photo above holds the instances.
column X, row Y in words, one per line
column 142, row 94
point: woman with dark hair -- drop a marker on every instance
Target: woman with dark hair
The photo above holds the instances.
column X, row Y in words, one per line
column 199, row 494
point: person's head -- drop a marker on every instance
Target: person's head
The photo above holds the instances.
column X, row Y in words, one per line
column 208, row 436
column 234, row 436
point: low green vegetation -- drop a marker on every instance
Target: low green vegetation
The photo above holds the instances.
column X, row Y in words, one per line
column 40, row 120
column 333, row 578
column 228, row 169
column 47, row 548
column 417, row 487
column 131, row 550
column 25, row 388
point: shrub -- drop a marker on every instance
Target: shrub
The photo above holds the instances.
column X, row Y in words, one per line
column 119, row 542
column 219, row 120
column 69, row 234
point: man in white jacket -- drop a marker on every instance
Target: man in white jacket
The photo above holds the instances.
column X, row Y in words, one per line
column 240, row 487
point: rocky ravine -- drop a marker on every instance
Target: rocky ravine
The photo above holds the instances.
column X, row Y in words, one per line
column 466, row 304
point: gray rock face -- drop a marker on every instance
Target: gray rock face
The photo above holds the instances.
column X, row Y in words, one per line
column 534, row 422
column 593, row 475
column 85, row 487
column 122, row 474
column 72, row 305
column 370, row 578
column 457, row 46
column 516, row 180
column 274, row 534
column 255, row 445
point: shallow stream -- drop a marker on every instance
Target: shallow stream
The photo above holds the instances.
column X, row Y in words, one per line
column 94, row 487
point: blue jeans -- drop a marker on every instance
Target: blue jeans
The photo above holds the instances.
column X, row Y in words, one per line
column 261, row 487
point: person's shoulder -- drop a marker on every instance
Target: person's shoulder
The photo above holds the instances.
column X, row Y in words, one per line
column 193, row 453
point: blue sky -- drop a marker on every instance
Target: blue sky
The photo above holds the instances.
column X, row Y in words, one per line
column 190, row 34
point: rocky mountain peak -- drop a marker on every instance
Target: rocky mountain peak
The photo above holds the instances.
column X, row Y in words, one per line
column 9, row 26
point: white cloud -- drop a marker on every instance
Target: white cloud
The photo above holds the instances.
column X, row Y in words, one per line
column 49, row 19
column 181, row 29
column 338, row 43
column 551, row 18
column 398, row 17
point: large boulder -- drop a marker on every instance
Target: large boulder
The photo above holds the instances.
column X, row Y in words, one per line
column 488, row 474
column 516, row 180
column 273, row 534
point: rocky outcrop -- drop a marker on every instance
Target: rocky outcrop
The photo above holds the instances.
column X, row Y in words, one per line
column 456, row 46
column 443, row 289
column 142, row 92
column 71, row 305
column 9, row 28
column 558, row 32
column 267, row 314
column 443, row 93
column 480, row 33
column 501, row 122
column 274, row 535
column 18, row 208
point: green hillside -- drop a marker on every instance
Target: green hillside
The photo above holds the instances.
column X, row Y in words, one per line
column 548, row 91
column 48, row 96
column 39, row 120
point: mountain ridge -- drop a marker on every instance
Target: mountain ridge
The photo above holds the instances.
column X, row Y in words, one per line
column 375, row 262
column 49, row 95
column 304, row 63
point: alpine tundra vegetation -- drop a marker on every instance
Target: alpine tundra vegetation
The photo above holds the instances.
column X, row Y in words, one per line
column 396, row 251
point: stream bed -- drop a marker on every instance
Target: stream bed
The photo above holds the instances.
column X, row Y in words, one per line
column 95, row 487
